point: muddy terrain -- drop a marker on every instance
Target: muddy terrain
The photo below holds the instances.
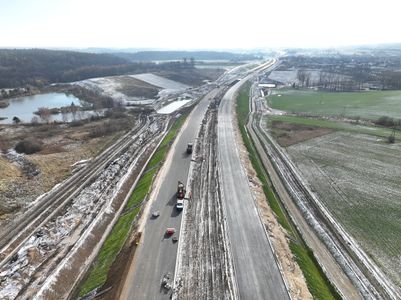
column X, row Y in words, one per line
column 287, row 134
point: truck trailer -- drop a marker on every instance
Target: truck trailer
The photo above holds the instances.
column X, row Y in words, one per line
column 180, row 190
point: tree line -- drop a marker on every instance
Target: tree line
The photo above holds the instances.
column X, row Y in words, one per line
column 340, row 73
column 39, row 67
column 194, row 55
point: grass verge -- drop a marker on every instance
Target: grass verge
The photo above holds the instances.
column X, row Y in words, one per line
column 121, row 230
column 317, row 282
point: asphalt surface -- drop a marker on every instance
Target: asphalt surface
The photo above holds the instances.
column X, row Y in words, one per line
column 256, row 271
column 157, row 254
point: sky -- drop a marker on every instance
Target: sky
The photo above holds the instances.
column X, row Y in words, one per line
column 206, row 24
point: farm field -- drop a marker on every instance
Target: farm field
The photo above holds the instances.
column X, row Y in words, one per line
column 367, row 105
column 377, row 131
column 358, row 179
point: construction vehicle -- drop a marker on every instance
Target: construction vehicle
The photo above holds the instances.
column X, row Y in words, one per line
column 180, row 190
column 189, row 148
column 166, row 281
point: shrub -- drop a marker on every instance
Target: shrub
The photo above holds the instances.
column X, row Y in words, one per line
column 77, row 123
column 109, row 127
column 16, row 120
column 116, row 113
column 386, row 121
column 3, row 144
column 35, row 121
column 3, row 104
column 28, row 146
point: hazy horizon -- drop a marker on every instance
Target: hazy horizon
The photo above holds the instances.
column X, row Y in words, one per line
column 186, row 25
column 238, row 50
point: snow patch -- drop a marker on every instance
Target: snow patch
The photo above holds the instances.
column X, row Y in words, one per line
column 168, row 109
column 80, row 162
column 161, row 81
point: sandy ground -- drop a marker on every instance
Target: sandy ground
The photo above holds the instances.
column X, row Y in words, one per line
column 278, row 237
column 9, row 172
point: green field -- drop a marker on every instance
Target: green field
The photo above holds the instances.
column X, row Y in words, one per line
column 366, row 105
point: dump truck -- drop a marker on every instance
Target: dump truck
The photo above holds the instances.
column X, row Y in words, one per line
column 180, row 190
column 189, row 148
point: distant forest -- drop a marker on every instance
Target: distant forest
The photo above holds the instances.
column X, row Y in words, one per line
column 38, row 67
column 179, row 55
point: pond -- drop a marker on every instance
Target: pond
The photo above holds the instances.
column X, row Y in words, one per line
column 24, row 107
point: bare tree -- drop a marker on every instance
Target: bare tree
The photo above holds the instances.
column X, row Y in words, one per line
column 307, row 79
column 301, row 76
column 35, row 120
column 73, row 110
column 4, row 94
column 79, row 115
column 64, row 114
column 304, row 78
column 44, row 113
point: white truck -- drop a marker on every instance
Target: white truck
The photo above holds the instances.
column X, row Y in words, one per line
column 180, row 204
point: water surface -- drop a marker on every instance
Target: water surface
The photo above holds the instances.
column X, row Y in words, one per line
column 24, row 107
